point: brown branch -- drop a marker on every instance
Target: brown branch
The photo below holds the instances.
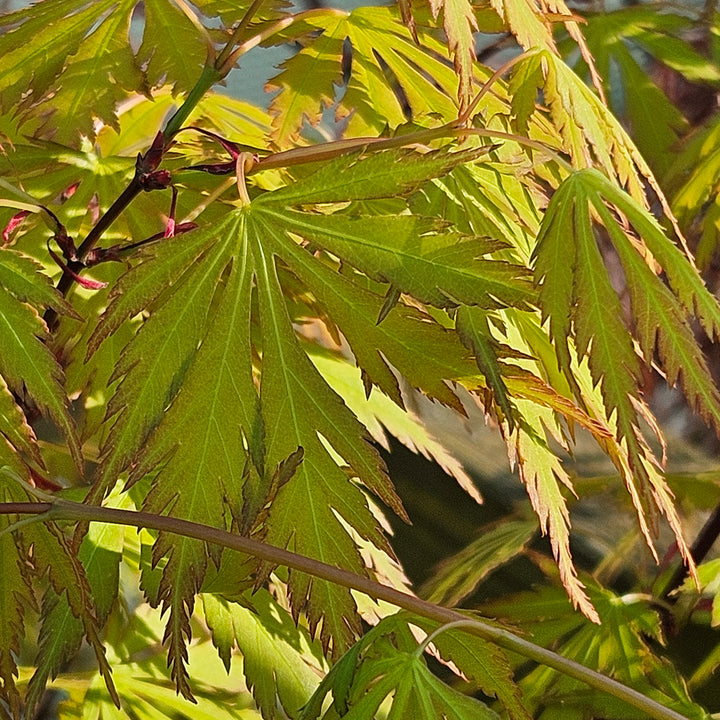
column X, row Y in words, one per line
column 66, row 510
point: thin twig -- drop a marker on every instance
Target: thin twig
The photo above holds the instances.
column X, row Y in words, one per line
column 276, row 27
column 62, row 509
column 490, row 82
column 237, row 32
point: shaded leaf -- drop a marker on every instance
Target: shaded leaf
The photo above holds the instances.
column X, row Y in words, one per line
column 279, row 661
column 27, row 367
column 459, row 575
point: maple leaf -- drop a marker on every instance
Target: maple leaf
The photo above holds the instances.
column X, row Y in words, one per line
column 27, row 367
column 90, row 65
column 459, row 24
column 543, row 475
column 614, row 40
column 381, row 44
column 459, row 575
column 388, row 661
column 576, row 303
column 233, row 455
column 173, row 56
column 16, row 595
column 619, row 646
column 591, row 134
column 53, row 555
column 103, row 66
column 266, row 635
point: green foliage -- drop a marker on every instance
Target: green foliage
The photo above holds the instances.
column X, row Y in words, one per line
column 208, row 316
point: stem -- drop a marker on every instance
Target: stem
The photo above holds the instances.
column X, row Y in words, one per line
column 276, row 27
column 209, row 76
column 237, row 32
column 327, row 151
column 207, row 79
column 489, row 83
column 66, row 510
column 66, row 280
column 700, row 548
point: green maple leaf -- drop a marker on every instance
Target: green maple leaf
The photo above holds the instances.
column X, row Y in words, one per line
column 526, row 21
column 384, row 53
column 483, row 665
column 618, row 647
column 59, row 637
column 267, row 637
column 590, row 132
column 170, row 47
column 693, row 188
column 91, row 64
column 575, row 297
column 26, row 364
column 220, row 311
column 101, row 66
column 388, row 662
column 459, row 23
column 459, row 575
column 618, row 42
column 16, row 595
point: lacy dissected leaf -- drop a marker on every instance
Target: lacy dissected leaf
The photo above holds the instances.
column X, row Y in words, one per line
column 482, row 664
column 384, row 54
column 16, row 596
column 387, row 663
column 171, row 48
column 58, row 637
column 301, row 411
column 591, row 134
column 93, row 60
column 544, row 477
column 614, row 39
column 279, row 661
column 694, row 191
column 459, row 23
column 459, row 575
column 618, row 647
column 576, row 299
column 473, row 327
column 27, row 367
column 187, row 411
column 89, row 63
column 185, row 414
column 378, row 412
column 407, row 251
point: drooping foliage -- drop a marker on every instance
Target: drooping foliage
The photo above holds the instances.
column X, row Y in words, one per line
column 216, row 312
